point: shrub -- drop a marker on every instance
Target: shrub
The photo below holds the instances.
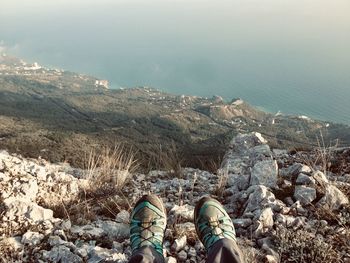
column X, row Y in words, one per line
column 303, row 246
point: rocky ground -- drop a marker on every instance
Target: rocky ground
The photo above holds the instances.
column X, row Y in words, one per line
column 284, row 208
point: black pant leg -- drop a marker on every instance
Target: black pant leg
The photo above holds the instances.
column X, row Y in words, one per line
column 146, row 254
column 225, row 251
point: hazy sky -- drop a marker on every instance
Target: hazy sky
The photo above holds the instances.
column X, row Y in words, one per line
column 274, row 53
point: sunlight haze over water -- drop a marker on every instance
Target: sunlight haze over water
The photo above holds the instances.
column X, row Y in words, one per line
column 287, row 55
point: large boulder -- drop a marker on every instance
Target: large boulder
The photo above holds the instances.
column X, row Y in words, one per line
column 264, row 173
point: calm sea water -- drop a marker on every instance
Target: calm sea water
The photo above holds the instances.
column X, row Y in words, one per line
column 291, row 56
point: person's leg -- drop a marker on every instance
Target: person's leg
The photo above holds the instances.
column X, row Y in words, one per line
column 225, row 251
column 146, row 254
column 216, row 231
column 147, row 226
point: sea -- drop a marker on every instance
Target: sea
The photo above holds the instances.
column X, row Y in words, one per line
column 288, row 56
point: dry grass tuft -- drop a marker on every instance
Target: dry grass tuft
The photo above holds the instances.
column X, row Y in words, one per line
column 321, row 159
column 168, row 158
column 107, row 172
column 109, row 169
column 222, row 182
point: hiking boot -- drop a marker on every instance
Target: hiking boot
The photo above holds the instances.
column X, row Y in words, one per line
column 148, row 223
column 212, row 222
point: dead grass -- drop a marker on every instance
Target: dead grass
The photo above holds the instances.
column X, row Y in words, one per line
column 322, row 156
column 109, row 169
column 165, row 157
column 107, row 172
column 222, row 182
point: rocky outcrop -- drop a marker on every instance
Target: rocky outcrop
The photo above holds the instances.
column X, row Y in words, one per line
column 263, row 193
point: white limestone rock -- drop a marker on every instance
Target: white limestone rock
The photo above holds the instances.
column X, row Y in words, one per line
column 333, row 198
column 32, row 238
column 98, row 254
column 22, row 208
column 264, row 222
column 243, row 142
column 170, row 260
column 37, row 213
column 13, row 243
column 320, row 178
column 179, row 244
column 185, row 211
column 29, row 190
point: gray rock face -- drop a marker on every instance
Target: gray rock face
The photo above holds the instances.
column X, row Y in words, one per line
column 333, row 198
column 123, row 217
column 114, row 230
column 107, row 228
column 182, row 256
column 238, row 181
column 305, row 179
column 61, row 254
column 235, row 165
column 304, row 194
column 294, row 170
column 242, row 222
column 260, row 152
column 88, row 231
column 265, row 173
column 259, row 197
column 245, row 142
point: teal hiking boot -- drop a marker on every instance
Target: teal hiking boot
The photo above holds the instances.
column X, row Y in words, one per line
column 212, row 222
column 148, row 223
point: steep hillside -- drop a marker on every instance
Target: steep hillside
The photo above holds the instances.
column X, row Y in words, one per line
column 60, row 115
